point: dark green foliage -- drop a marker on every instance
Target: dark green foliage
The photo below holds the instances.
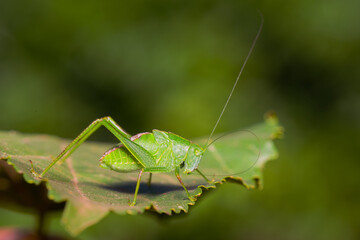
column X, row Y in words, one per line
column 170, row 65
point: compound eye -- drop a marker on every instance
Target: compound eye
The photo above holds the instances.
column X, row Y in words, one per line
column 197, row 152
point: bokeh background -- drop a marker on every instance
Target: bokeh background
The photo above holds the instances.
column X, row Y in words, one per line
column 170, row 65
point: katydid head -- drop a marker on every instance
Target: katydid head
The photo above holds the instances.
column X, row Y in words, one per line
column 193, row 158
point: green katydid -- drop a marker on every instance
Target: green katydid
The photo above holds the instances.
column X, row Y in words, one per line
column 154, row 152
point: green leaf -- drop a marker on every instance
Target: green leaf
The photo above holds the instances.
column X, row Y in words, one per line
column 91, row 192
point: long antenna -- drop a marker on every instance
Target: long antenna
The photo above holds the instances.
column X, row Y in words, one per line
column 237, row 79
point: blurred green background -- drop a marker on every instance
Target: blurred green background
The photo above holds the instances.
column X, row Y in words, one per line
column 170, row 65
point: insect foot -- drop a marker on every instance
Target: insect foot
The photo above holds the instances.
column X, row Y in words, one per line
column 131, row 204
column 212, row 181
column 192, row 199
column 35, row 174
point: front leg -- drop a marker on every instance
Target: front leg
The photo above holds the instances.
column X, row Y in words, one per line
column 206, row 179
column 177, row 174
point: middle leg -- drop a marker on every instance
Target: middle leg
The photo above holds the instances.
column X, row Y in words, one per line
column 177, row 174
column 137, row 187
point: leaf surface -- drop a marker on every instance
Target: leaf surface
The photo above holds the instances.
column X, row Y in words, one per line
column 91, row 192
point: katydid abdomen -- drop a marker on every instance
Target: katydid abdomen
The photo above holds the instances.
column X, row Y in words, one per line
column 168, row 150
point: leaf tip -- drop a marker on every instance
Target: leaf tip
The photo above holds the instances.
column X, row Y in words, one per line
column 272, row 119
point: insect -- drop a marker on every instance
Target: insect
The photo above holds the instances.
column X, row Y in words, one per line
column 155, row 152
